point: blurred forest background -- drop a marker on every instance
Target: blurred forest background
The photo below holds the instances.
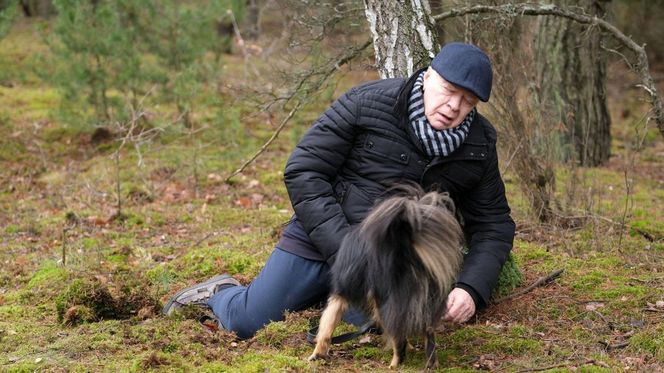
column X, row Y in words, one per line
column 142, row 146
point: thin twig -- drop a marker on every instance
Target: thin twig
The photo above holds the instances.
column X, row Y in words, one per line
column 265, row 146
column 203, row 239
column 540, row 282
column 509, row 161
column 325, row 75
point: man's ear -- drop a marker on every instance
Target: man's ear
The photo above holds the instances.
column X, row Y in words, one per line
column 427, row 73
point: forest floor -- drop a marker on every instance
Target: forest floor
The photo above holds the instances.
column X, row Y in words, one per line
column 81, row 286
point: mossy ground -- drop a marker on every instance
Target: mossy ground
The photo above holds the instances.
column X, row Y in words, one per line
column 58, row 198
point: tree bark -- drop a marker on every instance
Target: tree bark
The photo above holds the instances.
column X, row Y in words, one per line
column 38, row 8
column 404, row 35
column 534, row 171
column 571, row 84
column 252, row 21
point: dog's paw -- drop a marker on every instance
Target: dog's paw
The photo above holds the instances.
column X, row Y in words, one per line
column 317, row 356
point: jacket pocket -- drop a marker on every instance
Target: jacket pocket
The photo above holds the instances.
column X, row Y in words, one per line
column 356, row 204
column 385, row 147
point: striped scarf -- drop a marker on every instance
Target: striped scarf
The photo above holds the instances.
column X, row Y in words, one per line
column 436, row 143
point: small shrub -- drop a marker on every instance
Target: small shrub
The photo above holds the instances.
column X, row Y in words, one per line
column 510, row 278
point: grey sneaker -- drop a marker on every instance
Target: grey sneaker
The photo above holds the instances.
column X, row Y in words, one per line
column 198, row 294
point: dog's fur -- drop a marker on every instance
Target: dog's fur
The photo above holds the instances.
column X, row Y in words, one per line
column 398, row 266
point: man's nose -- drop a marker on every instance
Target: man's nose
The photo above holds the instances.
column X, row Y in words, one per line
column 455, row 102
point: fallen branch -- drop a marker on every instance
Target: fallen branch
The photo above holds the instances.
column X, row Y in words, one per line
column 562, row 365
column 514, row 10
column 540, row 282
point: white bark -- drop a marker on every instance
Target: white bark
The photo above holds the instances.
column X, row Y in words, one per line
column 403, row 34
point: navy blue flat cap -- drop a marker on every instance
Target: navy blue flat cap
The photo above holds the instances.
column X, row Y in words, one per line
column 466, row 66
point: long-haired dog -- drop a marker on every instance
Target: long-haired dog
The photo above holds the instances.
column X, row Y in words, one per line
column 398, row 266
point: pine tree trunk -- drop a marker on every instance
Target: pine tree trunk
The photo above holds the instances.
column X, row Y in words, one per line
column 404, row 35
column 572, row 84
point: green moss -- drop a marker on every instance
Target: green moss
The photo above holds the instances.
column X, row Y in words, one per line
column 275, row 333
column 368, row 352
column 513, row 346
column 590, row 281
column 620, row 291
column 162, row 276
column 527, row 252
column 237, row 262
column 23, row 367
column 157, row 219
column 89, row 293
column 262, row 361
column 134, row 219
column 89, row 243
column 12, row 311
column 51, row 274
column 649, row 341
column 653, row 228
column 78, row 314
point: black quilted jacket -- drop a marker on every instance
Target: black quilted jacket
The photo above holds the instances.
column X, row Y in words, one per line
column 363, row 144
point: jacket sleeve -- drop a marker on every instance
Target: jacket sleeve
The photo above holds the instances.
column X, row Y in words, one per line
column 311, row 168
column 490, row 230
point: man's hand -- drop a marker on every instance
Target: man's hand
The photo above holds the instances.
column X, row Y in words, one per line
column 460, row 306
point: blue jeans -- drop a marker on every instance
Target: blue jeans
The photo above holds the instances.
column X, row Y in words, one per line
column 287, row 283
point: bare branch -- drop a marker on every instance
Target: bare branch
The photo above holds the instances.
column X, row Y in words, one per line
column 272, row 138
column 515, row 10
column 324, row 75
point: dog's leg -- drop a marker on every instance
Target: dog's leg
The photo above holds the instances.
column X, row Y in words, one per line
column 335, row 308
column 398, row 351
column 430, row 348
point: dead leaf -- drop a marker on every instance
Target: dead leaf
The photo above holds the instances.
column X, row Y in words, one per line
column 366, row 339
column 253, row 183
column 659, row 304
column 593, row 306
column 96, row 221
column 244, row 202
column 486, row 362
column 257, row 199
column 215, row 177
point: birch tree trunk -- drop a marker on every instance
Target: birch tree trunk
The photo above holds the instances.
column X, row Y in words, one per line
column 404, row 35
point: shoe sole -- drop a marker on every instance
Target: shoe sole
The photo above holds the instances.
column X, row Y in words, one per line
column 168, row 308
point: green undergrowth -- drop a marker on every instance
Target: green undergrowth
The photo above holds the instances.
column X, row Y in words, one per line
column 81, row 287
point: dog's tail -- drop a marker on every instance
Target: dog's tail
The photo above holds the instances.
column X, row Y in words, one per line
column 423, row 222
column 416, row 244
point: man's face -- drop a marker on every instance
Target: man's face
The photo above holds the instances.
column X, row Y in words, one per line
column 445, row 105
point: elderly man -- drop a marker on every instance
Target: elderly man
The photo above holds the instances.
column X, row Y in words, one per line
column 426, row 130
